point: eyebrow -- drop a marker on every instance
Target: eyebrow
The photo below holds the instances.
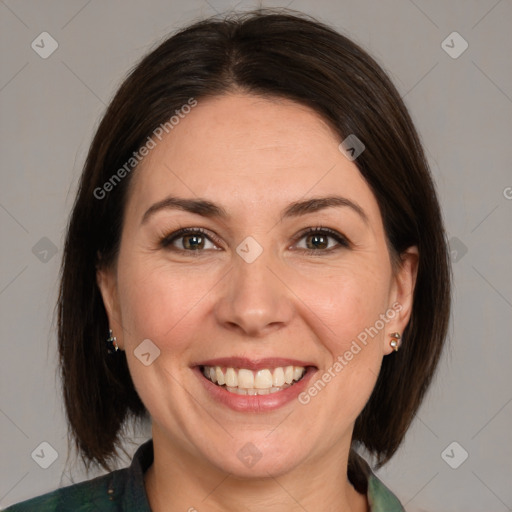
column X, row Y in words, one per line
column 208, row 209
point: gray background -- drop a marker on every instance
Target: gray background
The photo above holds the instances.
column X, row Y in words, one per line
column 462, row 108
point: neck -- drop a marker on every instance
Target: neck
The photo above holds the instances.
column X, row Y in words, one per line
column 179, row 481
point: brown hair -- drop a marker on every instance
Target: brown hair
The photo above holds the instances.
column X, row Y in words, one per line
column 274, row 54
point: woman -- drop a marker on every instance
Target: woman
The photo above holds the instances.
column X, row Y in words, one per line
column 255, row 261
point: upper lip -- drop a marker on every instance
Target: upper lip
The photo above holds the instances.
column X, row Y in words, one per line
column 253, row 364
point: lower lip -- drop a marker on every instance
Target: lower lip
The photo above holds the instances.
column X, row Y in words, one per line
column 255, row 403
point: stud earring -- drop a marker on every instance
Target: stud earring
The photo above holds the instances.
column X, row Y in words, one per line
column 112, row 346
column 395, row 340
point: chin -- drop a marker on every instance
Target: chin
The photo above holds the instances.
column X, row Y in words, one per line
column 245, row 459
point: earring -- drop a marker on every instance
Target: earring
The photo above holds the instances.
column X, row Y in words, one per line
column 112, row 346
column 395, row 340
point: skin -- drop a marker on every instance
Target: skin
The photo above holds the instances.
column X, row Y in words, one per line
column 254, row 157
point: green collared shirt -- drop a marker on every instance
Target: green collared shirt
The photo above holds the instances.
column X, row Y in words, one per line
column 123, row 491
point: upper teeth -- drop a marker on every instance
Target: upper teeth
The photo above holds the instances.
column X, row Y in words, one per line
column 260, row 379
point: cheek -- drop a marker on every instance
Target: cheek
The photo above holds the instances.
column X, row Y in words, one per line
column 349, row 301
column 158, row 303
column 347, row 309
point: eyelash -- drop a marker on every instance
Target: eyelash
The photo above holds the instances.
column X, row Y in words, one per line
column 166, row 241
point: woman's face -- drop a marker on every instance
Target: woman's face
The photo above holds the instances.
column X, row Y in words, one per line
column 254, row 285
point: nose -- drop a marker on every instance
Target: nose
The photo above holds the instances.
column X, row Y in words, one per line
column 254, row 299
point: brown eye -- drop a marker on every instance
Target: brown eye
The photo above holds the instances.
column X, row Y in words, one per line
column 320, row 240
column 317, row 241
column 187, row 240
column 193, row 242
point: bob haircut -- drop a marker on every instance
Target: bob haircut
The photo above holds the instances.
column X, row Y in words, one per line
column 269, row 53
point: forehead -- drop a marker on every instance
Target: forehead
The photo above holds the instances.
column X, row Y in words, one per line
column 244, row 150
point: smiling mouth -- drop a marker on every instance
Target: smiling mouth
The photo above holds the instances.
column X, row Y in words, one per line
column 243, row 381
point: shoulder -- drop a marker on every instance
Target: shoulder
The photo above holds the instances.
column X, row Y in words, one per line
column 364, row 480
column 380, row 498
column 119, row 491
column 89, row 496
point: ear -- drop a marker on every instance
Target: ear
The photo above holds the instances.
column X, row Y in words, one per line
column 401, row 295
column 107, row 283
